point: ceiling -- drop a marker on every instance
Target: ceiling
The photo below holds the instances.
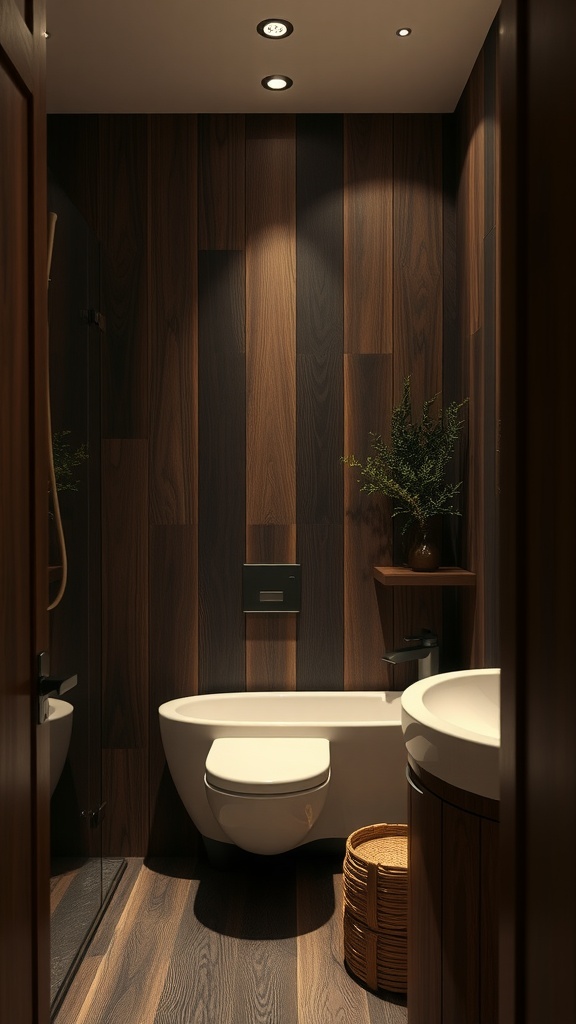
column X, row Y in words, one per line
column 184, row 56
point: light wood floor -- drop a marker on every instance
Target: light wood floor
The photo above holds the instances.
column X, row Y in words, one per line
column 186, row 943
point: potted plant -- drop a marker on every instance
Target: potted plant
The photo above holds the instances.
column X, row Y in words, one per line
column 412, row 471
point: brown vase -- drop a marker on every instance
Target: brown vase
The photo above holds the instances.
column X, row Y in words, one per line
column 424, row 553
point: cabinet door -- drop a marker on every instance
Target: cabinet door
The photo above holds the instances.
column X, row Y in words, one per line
column 424, row 906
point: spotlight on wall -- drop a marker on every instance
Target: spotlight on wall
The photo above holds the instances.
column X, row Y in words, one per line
column 275, row 28
column 277, row 82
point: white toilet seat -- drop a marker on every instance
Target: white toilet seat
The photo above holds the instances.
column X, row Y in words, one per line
column 267, row 765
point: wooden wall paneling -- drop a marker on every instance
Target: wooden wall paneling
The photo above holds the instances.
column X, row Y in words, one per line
column 320, row 648
column 221, row 154
column 94, row 341
column 126, row 824
column 173, row 320
column 367, row 524
column 74, row 160
column 415, row 609
column 452, row 644
column 473, row 170
column 221, row 470
column 538, row 707
column 271, row 330
column 319, row 397
column 125, row 690
column 425, row 918
column 271, row 638
column 319, row 326
column 460, row 967
column 16, row 522
column 474, row 339
column 123, row 231
column 173, row 673
column 489, row 911
column 418, row 255
column 490, row 259
column 270, row 378
column 368, row 237
column 418, row 298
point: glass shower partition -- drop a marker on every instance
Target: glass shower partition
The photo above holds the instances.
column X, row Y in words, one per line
column 81, row 879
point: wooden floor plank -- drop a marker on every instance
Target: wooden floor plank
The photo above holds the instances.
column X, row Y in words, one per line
column 238, row 930
column 326, row 994
column 69, row 1011
column 259, row 942
column 129, row 982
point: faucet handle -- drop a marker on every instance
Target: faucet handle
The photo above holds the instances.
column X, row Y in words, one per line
column 426, row 637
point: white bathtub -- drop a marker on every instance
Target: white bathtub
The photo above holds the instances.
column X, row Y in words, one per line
column 367, row 752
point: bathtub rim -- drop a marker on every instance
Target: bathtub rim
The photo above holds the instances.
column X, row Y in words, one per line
column 390, row 699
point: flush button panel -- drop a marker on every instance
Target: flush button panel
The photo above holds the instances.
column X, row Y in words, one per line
column 270, row 587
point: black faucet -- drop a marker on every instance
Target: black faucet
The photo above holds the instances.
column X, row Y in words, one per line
column 424, row 649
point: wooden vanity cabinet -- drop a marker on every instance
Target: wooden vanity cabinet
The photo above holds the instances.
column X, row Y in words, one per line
column 452, row 904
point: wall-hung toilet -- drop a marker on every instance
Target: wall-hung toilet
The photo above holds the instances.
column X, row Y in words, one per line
column 267, row 792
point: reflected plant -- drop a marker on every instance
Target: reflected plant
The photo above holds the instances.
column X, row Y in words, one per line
column 66, row 460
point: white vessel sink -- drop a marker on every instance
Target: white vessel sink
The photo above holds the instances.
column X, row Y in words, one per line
column 451, row 726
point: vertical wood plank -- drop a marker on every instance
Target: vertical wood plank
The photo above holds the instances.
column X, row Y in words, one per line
column 125, row 694
column 418, row 295
column 270, row 331
column 319, row 394
column 418, row 255
column 489, row 918
column 221, row 215
column 325, row 991
column 125, row 593
column 367, row 523
column 460, row 864
column 319, row 326
column 173, row 673
column 222, row 459
column 270, row 638
column 173, row 320
column 129, row 981
column 424, row 907
column 271, row 380
column 473, row 183
column 123, row 231
column 491, row 651
column 126, row 823
column 368, row 233
column 17, row 512
column 320, row 649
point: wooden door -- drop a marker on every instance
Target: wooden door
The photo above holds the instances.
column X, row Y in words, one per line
column 24, row 763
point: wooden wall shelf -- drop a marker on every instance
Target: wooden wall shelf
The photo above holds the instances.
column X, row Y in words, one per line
column 445, row 576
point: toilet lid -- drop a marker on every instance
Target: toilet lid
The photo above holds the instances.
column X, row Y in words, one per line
column 267, row 764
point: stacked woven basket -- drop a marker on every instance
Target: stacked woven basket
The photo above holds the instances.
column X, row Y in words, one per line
column 376, row 905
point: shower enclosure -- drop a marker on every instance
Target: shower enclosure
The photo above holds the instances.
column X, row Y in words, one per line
column 82, row 880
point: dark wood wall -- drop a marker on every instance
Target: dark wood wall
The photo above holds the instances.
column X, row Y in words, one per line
column 24, row 745
column 268, row 283
column 538, row 563
column 478, row 350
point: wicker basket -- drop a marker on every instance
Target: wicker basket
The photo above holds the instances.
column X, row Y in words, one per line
column 375, row 905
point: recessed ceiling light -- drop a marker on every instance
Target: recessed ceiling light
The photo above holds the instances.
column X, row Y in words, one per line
column 275, row 28
column 403, row 31
column 277, row 82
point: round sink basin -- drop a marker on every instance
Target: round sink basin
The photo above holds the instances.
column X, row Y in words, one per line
column 451, row 726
